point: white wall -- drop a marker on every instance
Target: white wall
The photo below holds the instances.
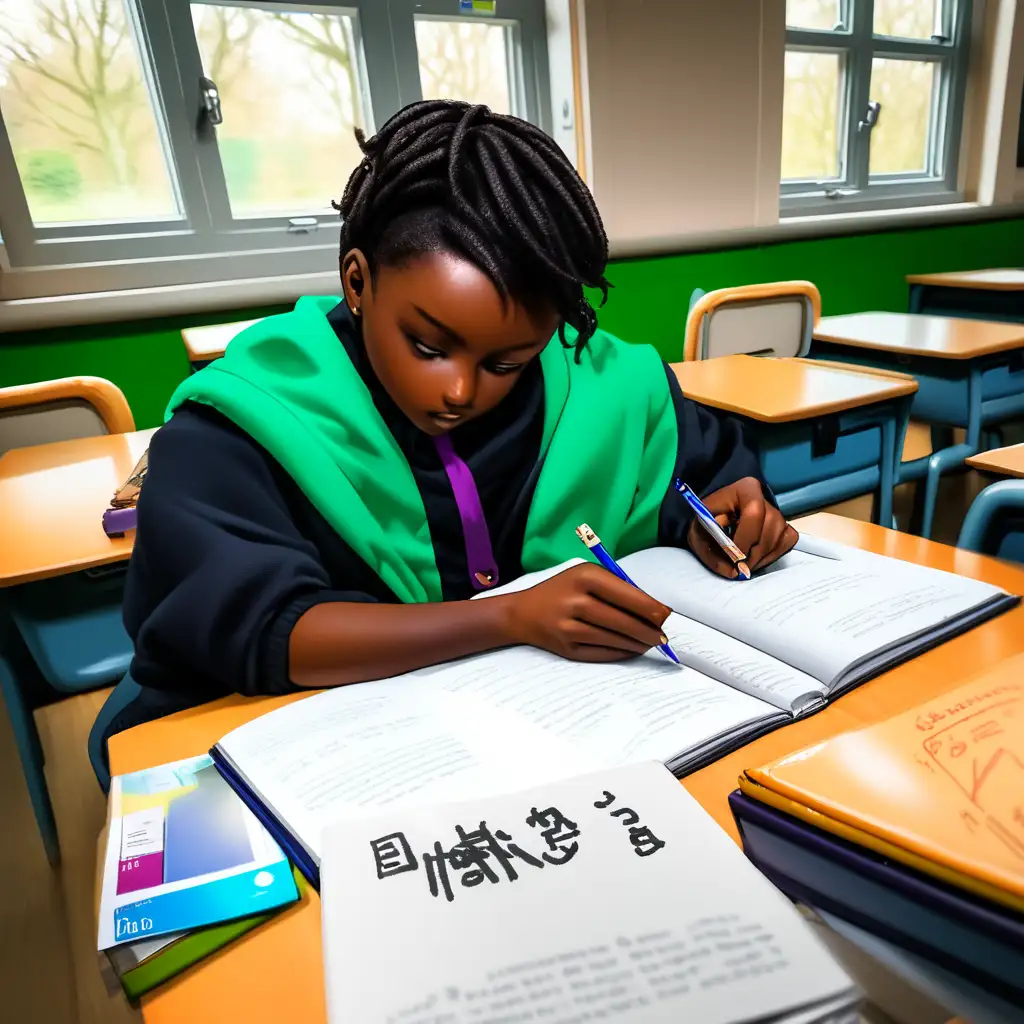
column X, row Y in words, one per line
column 686, row 114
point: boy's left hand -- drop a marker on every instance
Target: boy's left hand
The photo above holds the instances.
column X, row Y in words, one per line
column 761, row 531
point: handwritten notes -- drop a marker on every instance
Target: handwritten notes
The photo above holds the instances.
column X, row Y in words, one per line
column 610, row 896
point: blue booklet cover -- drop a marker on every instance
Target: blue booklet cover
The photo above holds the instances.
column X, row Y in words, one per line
column 184, row 852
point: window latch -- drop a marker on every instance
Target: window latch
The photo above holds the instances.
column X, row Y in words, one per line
column 839, row 193
column 871, row 117
column 211, row 100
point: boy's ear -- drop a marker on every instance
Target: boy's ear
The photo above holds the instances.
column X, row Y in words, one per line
column 355, row 279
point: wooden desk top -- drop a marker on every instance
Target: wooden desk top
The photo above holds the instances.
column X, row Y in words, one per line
column 1002, row 280
column 1007, row 461
column 205, row 343
column 784, row 390
column 276, row 973
column 52, row 499
column 915, row 334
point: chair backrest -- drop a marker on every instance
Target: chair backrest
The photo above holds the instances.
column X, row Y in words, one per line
column 59, row 410
column 775, row 319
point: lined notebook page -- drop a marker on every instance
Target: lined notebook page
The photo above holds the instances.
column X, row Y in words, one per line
column 820, row 608
column 480, row 725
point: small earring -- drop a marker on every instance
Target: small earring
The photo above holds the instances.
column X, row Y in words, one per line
column 355, row 311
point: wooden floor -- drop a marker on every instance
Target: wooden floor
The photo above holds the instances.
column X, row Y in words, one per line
column 49, row 968
column 48, row 962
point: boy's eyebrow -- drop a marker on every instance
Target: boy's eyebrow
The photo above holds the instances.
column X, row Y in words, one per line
column 457, row 338
column 442, row 327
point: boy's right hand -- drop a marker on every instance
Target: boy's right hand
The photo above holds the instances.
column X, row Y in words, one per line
column 586, row 614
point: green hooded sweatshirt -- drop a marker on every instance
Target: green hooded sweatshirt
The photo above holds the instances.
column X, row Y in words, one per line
column 609, row 444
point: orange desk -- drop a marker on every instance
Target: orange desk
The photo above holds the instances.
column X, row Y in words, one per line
column 785, row 390
column 1001, row 461
column 970, row 374
column 204, row 344
column 52, row 498
column 907, row 335
column 276, row 974
column 984, row 294
column 826, row 432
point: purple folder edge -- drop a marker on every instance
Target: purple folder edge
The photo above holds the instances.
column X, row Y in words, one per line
column 118, row 521
column 1002, row 925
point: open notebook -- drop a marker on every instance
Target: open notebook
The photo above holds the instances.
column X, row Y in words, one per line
column 756, row 655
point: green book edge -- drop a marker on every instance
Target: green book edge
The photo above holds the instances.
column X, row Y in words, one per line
column 192, row 948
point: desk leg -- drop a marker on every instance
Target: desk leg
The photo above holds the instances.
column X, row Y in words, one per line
column 953, row 456
column 916, row 298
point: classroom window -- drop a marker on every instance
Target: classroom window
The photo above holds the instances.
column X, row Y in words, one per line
column 154, row 142
column 873, row 102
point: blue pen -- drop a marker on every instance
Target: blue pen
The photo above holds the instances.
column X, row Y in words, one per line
column 717, row 534
column 591, row 539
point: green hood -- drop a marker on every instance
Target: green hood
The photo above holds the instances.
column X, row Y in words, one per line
column 609, row 432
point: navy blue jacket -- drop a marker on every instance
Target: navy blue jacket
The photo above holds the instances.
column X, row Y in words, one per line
column 230, row 553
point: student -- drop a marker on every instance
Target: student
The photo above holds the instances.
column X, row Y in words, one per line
column 325, row 498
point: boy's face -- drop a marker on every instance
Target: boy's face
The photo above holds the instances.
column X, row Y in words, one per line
column 440, row 339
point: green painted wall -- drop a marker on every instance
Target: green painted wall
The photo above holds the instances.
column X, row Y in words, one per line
column 648, row 302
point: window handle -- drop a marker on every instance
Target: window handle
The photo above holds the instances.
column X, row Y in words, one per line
column 871, row 117
column 211, row 100
column 939, row 33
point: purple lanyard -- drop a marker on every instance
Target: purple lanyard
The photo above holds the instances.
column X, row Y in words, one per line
column 483, row 572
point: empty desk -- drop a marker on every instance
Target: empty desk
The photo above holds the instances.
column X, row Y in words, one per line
column 825, row 434
column 994, row 523
column 205, row 344
column 52, row 498
column 984, row 294
column 970, row 372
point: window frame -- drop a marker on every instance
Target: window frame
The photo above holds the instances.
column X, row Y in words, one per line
column 858, row 47
column 207, row 244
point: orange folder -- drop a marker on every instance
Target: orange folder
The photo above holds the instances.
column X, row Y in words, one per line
column 940, row 788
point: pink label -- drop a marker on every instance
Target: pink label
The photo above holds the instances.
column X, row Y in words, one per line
column 140, row 872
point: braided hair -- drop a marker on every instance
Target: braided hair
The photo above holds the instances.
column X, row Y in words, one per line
column 443, row 175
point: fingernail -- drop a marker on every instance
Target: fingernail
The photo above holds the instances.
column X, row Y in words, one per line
column 664, row 639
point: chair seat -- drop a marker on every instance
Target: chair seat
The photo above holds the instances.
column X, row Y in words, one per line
column 72, row 627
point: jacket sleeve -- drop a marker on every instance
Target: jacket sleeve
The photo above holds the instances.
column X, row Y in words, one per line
column 713, row 452
column 220, row 573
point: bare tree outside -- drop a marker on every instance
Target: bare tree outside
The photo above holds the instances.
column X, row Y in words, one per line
column 810, row 116
column 290, row 98
column 78, row 112
column 905, row 88
column 464, row 60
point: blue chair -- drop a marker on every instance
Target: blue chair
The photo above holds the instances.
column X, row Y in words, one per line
column 65, row 632
column 18, row 677
column 121, row 696
column 994, row 524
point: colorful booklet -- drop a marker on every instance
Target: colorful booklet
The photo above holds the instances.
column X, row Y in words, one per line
column 183, row 852
column 139, row 967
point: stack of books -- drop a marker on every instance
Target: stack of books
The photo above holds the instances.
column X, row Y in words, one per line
column 186, row 869
column 911, row 830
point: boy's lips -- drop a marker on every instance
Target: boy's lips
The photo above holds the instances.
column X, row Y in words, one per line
column 446, row 418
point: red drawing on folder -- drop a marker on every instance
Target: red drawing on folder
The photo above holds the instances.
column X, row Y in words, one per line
column 981, row 754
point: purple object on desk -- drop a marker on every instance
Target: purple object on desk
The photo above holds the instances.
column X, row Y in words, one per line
column 117, row 521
